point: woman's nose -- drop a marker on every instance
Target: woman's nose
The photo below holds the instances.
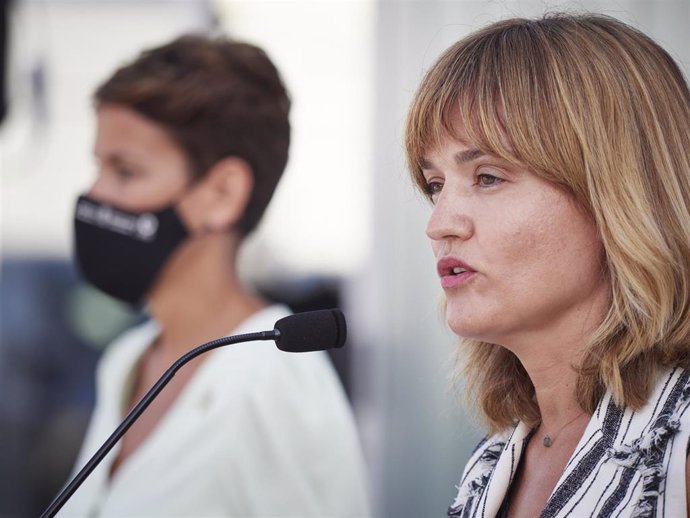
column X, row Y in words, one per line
column 100, row 189
column 449, row 220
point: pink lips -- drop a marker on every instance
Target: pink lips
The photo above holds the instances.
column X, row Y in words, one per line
column 449, row 279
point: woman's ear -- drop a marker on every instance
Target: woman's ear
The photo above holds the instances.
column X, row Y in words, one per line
column 220, row 198
column 231, row 183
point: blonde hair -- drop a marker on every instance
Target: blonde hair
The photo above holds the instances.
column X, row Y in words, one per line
column 600, row 110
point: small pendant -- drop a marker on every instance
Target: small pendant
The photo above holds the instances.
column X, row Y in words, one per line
column 547, row 441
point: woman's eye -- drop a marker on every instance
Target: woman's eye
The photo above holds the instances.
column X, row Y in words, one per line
column 488, row 180
column 124, row 173
column 433, row 188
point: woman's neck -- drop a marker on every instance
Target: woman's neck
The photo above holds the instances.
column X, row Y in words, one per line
column 551, row 354
column 199, row 297
column 555, row 389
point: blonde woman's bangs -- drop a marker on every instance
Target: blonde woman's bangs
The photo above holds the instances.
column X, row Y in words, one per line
column 458, row 99
column 487, row 91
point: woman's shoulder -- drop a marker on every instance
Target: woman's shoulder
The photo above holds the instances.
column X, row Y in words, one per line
column 644, row 450
column 670, row 397
column 637, row 435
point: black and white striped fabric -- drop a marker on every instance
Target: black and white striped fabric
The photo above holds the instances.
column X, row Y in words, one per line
column 627, row 464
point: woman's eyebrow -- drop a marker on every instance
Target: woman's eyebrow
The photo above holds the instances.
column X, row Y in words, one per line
column 468, row 155
column 461, row 157
column 425, row 163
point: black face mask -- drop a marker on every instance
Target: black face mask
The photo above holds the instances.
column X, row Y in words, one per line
column 121, row 253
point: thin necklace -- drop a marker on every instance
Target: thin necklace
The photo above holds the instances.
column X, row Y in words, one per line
column 549, row 440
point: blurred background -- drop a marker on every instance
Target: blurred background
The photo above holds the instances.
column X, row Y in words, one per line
column 345, row 228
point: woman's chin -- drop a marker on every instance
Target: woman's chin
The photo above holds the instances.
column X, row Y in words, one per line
column 466, row 329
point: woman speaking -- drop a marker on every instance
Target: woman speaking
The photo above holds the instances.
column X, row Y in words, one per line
column 556, row 155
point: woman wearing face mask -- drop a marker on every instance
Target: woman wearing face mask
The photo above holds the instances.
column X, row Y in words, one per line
column 192, row 138
column 556, row 154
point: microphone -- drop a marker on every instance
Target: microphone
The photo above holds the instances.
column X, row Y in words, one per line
column 311, row 331
column 302, row 332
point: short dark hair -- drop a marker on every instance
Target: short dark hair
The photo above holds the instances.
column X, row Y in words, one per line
column 216, row 98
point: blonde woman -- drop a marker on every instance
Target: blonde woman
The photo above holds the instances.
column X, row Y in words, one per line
column 556, row 154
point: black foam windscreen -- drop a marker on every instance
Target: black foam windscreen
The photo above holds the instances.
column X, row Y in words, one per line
column 312, row 331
